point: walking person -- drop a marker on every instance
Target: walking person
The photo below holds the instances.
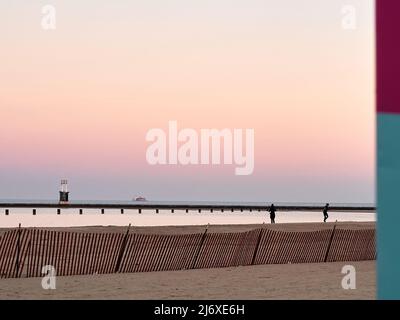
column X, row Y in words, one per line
column 272, row 211
column 325, row 211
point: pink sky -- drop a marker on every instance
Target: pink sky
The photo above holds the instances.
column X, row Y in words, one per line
column 78, row 101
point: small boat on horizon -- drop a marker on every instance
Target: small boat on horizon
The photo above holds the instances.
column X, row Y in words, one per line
column 140, row 198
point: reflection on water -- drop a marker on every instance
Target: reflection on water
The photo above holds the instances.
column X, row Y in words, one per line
column 71, row 217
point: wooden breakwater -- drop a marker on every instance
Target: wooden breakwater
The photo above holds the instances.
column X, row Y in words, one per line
column 24, row 252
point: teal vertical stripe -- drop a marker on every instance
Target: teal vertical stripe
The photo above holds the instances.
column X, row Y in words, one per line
column 388, row 202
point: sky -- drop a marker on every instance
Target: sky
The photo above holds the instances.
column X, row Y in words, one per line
column 77, row 102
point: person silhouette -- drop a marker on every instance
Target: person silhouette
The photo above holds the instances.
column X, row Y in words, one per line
column 272, row 211
column 325, row 211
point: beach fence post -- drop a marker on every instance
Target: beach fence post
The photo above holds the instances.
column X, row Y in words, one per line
column 258, row 244
column 199, row 248
column 364, row 254
column 330, row 242
column 29, row 263
column 18, row 250
column 27, row 256
column 122, row 249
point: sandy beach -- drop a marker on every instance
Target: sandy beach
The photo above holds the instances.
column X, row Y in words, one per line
column 291, row 281
column 276, row 281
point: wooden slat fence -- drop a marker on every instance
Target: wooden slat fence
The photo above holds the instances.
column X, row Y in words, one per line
column 24, row 252
column 278, row 247
column 352, row 245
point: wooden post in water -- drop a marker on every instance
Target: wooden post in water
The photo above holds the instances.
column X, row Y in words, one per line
column 330, row 242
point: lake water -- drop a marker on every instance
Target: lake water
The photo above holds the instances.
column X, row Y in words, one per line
column 71, row 217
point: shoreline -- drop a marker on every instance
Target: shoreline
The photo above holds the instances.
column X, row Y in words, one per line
column 212, row 228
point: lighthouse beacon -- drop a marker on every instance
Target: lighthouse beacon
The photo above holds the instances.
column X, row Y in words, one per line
column 64, row 192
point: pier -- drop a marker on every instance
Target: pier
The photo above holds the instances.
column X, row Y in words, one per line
column 185, row 206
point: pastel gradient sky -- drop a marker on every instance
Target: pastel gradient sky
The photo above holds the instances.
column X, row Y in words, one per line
column 76, row 102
